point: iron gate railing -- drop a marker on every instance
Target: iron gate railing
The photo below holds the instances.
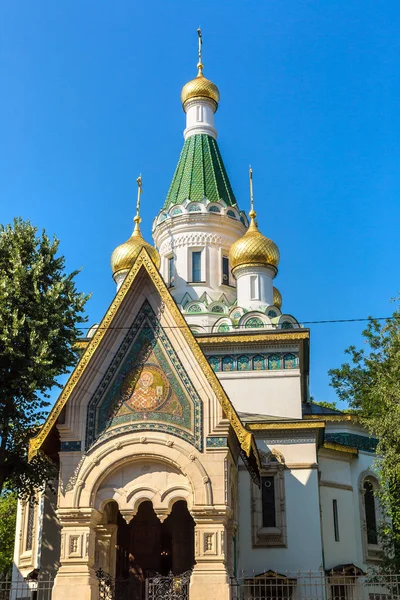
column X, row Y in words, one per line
column 156, row 587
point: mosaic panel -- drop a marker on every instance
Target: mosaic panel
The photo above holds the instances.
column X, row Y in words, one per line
column 145, row 388
column 71, row 446
column 274, row 361
column 289, row 361
column 254, row 322
column 243, row 363
column 228, row 363
column 194, row 308
column 257, row 362
column 214, row 362
column 217, row 309
column 216, row 442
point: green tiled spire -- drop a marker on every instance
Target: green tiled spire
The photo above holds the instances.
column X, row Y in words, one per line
column 200, row 174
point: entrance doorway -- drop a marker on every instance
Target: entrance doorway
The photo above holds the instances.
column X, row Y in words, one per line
column 149, row 547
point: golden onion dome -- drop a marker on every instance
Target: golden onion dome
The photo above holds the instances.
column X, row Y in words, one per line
column 277, row 298
column 200, row 87
column 125, row 255
column 253, row 249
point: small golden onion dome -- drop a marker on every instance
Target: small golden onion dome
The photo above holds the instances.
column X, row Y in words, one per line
column 200, row 87
column 125, row 255
column 253, row 249
column 277, row 298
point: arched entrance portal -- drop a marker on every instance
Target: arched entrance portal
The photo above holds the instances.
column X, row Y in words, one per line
column 155, row 546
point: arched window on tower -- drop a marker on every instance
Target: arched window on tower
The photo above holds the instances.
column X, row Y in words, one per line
column 370, row 512
column 369, row 516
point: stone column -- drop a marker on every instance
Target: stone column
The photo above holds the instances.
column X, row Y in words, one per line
column 76, row 577
column 210, row 578
column 105, row 553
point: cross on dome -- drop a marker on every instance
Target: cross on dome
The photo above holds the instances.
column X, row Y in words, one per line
column 125, row 255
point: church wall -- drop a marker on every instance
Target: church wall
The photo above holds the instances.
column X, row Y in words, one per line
column 339, row 480
column 302, row 527
column 300, row 505
column 268, row 393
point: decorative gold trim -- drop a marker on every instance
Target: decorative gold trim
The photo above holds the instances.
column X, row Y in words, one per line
column 298, row 425
column 344, row 417
column 82, row 344
column 244, row 436
column 334, row 484
column 339, row 448
column 236, row 338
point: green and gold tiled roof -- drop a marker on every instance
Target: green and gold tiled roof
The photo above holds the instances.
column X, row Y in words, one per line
column 200, row 174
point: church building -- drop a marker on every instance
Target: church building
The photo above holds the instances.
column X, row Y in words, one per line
column 185, row 439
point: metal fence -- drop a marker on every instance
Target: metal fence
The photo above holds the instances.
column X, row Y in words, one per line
column 26, row 589
column 334, row 585
column 154, row 587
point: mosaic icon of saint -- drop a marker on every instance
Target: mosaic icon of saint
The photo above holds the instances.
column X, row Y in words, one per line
column 146, row 396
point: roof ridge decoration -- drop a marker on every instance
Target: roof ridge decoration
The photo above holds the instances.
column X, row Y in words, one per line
column 245, row 437
column 200, row 173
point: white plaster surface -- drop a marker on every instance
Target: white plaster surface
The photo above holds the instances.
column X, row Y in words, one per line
column 274, row 393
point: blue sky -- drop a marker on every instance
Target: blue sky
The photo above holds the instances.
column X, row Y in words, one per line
column 89, row 98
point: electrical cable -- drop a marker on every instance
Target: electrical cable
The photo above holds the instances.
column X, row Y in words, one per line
column 321, row 322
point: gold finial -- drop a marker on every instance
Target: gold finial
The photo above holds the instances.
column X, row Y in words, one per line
column 252, row 213
column 200, row 65
column 137, row 218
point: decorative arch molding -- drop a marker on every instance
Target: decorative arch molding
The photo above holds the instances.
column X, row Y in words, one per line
column 367, row 474
column 100, row 464
column 272, row 308
column 255, row 319
column 217, row 307
column 271, row 459
column 287, row 322
column 222, row 325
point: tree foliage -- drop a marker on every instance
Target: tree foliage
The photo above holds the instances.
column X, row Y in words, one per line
column 371, row 384
column 40, row 313
column 8, row 515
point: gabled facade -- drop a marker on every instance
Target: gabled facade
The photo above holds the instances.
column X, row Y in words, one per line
column 185, row 437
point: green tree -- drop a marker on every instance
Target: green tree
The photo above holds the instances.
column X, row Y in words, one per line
column 40, row 313
column 8, row 515
column 371, row 385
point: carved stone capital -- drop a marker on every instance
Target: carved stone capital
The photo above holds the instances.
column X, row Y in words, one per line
column 79, row 517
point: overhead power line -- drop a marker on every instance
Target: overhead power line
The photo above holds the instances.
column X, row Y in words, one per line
column 321, row 322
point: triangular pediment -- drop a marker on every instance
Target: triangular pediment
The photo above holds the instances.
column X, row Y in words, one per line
column 142, row 331
column 145, row 388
